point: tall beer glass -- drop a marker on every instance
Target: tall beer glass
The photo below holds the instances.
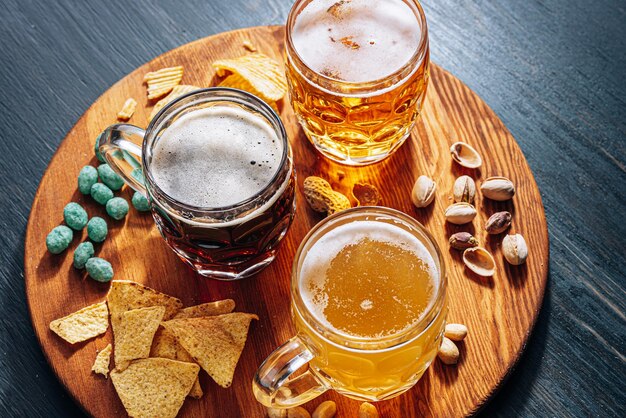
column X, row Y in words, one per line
column 357, row 72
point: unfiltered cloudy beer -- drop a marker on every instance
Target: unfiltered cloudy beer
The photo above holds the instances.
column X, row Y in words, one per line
column 357, row 73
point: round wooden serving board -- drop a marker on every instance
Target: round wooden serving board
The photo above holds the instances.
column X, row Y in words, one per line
column 499, row 311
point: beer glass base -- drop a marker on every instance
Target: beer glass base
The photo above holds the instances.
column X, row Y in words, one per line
column 230, row 273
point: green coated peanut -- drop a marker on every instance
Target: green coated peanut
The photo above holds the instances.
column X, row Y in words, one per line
column 75, row 216
column 101, row 193
column 97, row 229
column 87, row 177
column 117, row 208
column 140, row 202
column 99, row 269
column 110, row 177
column 82, row 253
column 59, row 239
column 137, row 174
column 97, row 151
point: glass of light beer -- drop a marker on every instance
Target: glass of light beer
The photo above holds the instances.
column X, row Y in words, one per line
column 217, row 169
column 368, row 299
column 357, row 72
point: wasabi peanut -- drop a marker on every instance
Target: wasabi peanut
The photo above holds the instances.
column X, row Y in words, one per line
column 110, row 177
column 87, row 177
column 97, row 229
column 117, row 208
column 59, row 239
column 82, row 253
column 101, row 193
column 140, row 202
column 75, row 216
column 97, row 151
column 99, row 269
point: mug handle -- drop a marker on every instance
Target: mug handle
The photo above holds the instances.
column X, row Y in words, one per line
column 272, row 385
column 124, row 155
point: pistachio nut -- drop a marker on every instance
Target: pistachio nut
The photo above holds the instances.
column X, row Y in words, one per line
column 462, row 241
column 465, row 155
column 460, row 213
column 480, row 261
column 464, row 189
column 423, row 192
column 498, row 188
column 515, row 249
column 498, row 222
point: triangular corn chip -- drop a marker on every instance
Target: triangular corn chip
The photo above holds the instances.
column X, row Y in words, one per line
column 219, row 307
column 236, row 81
column 135, row 334
column 82, row 325
column 125, row 295
column 214, row 342
column 162, row 81
column 176, row 92
column 154, row 387
column 262, row 72
column 101, row 365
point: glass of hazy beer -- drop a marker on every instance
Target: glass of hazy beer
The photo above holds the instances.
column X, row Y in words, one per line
column 368, row 299
column 357, row 72
column 217, row 169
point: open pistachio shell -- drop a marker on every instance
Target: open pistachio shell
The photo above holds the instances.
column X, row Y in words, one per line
column 465, row 155
column 480, row 261
column 460, row 213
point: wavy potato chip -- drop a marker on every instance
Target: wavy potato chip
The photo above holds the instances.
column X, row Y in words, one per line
column 162, row 81
column 262, row 72
column 101, row 364
column 176, row 92
column 82, row 325
column 126, row 112
column 238, row 82
column 154, row 387
column 135, row 334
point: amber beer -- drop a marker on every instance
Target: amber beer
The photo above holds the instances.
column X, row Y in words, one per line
column 368, row 300
column 357, row 72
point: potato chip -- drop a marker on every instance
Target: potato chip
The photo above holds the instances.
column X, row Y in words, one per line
column 101, row 364
column 262, row 72
column 176, row 92
column 127, row 110
column 214, row 342
column 366, row 194
column 125, row 295
column 236, row 81
column 165, row 345
column 219, row 307
column 82, row 325
column 154, row 387
column 135, row 333
column 162, row 81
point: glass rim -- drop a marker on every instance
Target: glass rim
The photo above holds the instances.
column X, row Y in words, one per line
column 225, row 94
column 398, row 75
column 431, row 313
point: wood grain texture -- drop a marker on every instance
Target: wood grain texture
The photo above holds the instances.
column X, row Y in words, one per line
column 553, row 71
column 500, row 312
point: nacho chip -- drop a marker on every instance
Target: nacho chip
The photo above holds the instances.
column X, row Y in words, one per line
column 135, row 334
column 236, row 81
column 82, row 325
column 101, row 364
column 165, row 345
column 125, row 295
column 262, row 72
column 219, row 307
column 127, row 110
column 214, row 342
column 162, row 81
column 176, row 92
column 154, row 387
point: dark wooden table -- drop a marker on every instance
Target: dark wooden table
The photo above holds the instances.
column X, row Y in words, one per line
column 553, row 70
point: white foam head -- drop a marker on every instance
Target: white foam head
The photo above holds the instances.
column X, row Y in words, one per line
column 216, row 156
column 323, row 252
column 356, row 40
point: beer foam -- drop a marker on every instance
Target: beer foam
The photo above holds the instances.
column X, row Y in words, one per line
column 356, row 40
column 215, row 157
column 323, row 252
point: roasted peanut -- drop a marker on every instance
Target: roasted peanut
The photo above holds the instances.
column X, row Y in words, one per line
column 322, row 198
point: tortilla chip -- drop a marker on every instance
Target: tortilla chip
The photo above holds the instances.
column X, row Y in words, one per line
column 101, row 365
column 215, row 342
column 135, row 334
column 176, row 92
column 154, row 387
column 162, row 81
column 82, row 325
column 262, row 72
column 219, row 307
column 126, row 112
column 236, row 81
column 125, row 295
